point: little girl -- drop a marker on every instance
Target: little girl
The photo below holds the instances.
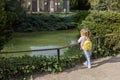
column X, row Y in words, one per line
column 84, row 36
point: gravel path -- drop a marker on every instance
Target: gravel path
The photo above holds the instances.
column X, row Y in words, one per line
column 102, row 69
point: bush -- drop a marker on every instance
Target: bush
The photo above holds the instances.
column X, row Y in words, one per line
column 79, row 16
column 75, row 54
column 100, row 24
column 21, row 67
column 41, row 22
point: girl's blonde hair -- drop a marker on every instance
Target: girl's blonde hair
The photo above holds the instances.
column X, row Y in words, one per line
column 84, row 32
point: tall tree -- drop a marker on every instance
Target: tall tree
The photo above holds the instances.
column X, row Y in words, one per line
column 79, row 4
column 4, row 25
column 9, row 11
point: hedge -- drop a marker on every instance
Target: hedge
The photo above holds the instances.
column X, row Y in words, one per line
column 43, row 22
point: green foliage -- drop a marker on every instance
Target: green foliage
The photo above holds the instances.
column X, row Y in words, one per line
column 19, row 67
column 38, row 22
column 15, row 6
column 101, row 6
column 106, row 46
column 6, row 21
column 110, row 5
column 79, row 16
column 75, row 54
column 9, row 11
column 100, row 24
column 115, row 6
column 79, row 5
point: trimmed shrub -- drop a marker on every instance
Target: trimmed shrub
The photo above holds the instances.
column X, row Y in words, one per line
column 42, row 22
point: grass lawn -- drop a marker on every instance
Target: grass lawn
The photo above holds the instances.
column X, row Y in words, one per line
column 23, row 41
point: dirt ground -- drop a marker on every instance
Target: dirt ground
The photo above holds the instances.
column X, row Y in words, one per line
column 102, row 69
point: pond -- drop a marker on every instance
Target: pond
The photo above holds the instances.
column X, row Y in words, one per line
column 48, row 53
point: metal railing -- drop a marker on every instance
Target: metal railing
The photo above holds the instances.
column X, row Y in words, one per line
column 95, row 39
column 58, row 50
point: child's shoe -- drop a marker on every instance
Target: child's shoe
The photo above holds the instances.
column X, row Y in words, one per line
column 89, row 66
column 85, row 63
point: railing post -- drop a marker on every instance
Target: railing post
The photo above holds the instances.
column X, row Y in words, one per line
column 58, row 54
